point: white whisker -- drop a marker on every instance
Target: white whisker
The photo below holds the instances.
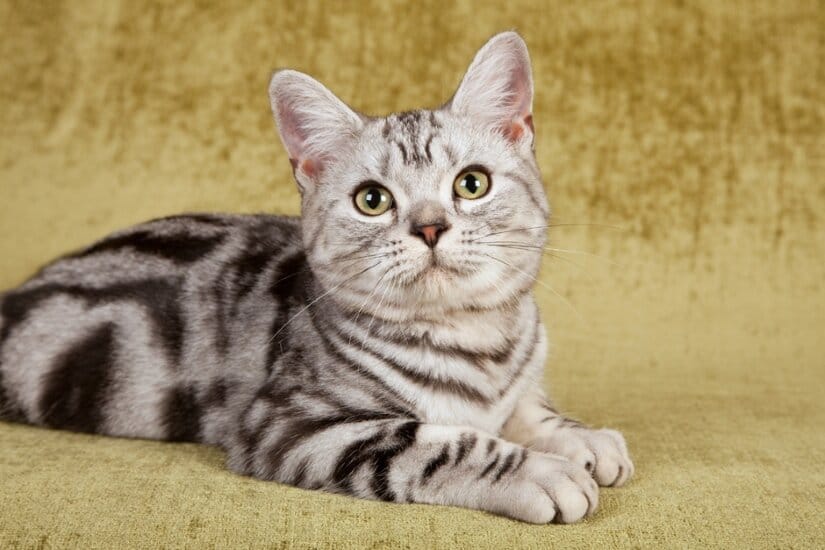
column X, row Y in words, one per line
column 548, row 287
column 313, row 302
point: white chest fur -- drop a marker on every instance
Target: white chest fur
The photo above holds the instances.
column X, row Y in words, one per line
column 451, row 409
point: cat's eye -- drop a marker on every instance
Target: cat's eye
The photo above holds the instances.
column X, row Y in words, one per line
column 373, row 200
column 472, row 184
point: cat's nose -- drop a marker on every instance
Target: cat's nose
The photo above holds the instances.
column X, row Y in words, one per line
column 429, row 232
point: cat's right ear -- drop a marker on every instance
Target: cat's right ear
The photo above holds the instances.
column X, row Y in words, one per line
column 315, row 126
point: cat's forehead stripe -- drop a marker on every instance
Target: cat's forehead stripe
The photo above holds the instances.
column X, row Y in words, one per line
column 412, row 133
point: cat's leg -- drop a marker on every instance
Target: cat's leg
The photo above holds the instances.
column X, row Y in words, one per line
column 403, row 460
column 537, row 425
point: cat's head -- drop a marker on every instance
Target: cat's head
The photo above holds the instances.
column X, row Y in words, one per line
column 427, row 210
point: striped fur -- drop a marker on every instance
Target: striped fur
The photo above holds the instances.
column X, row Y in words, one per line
column 333, row 351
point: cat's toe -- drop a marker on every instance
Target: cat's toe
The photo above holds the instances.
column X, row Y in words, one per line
column 613, row 465
column 603, row 453
column 550, row 489
column 571, row 489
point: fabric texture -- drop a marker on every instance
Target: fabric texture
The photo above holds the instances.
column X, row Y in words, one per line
column 683, row 148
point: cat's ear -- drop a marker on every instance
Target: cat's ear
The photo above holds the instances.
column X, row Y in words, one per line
column 314, row 125
column 498, row 88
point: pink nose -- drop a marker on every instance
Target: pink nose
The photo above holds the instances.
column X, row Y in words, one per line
column 429, row 233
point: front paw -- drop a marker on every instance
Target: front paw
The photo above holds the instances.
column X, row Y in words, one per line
column 547, row 489
column 602, row 452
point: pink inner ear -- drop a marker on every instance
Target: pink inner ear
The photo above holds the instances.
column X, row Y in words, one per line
column 292, row 134
column 523, row 119
column 514, row 131
column 294, row 137
column 310, row 168
column 528, row 120
column 306, row 166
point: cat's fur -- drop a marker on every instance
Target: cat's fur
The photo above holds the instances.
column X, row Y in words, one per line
column 336, row 351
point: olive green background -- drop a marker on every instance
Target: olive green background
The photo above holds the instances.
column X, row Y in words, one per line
column 691, row 135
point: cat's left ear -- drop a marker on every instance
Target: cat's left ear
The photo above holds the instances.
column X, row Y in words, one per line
column 315, row 126
column 497, row 90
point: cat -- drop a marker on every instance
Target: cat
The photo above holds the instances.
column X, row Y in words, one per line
column 384, row 345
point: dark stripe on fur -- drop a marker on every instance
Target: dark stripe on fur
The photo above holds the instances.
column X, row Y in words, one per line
column 236, row 279
column 399, row 338
column 158, row 296
column 466, row 444
column 403, row 439
column 293, row 435
column 215, row 395
column 451, row 154
column 9, row 410
column 74, row 393
column 355, row 455
column 452, row 386
column 288, row 288
column 299, row 429
column 522, row 459
column 182, row 415
column 300, row 475
column 394, row 406
column 491, row 446
column 528, row 355
column 508, row 462
column 379, row 449
column 403, row 151
column 207, row 219
column 435, row 464
column 540, row 205
column 475, row 358
column 490, row 466
column 183, row 248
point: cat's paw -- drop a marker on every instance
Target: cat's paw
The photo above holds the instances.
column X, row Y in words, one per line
column 549, row 489
column 601, row 452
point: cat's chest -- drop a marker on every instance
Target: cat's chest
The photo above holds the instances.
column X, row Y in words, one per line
column 453, row 410
column 483, row 405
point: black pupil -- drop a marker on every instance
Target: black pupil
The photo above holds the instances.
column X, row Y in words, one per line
column 471, row 183
column 372, row 198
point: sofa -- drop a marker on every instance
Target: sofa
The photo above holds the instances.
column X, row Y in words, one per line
column 683, row 150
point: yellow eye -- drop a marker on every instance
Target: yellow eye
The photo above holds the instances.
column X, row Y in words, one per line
column 373, row 200
column 472, row 184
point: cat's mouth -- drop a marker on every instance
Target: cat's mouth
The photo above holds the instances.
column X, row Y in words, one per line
column 435, row 268
column 438, row 265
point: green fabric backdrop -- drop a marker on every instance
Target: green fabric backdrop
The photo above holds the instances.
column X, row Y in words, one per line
column 695, row 130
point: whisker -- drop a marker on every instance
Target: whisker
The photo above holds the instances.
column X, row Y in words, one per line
column 548, row 287
column 528, row 246
column 369, row 243
column 319, row 298
column 364, row 303
column 547, row 226
column 387, row 289
column 363, row 257
column 602, row 225
column 581, row 268
column 294, row 274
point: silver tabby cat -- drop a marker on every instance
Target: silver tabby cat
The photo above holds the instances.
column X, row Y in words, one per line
column 385, row 345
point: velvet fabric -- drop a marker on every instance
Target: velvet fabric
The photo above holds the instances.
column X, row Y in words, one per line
column 683, row 149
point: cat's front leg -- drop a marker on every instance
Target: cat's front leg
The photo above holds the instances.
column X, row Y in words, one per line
column 537, row 425
column 403, row 460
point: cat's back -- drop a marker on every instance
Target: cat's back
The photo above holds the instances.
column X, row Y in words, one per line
column 175, row 245
column 107, row 338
